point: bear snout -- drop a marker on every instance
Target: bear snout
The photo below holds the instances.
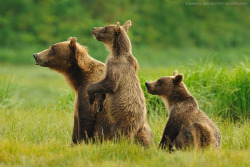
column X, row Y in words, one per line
column 93, row 31
column 149, row 88
column 147, row 84
column 35, row 56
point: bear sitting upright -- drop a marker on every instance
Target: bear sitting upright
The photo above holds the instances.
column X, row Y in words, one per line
column 124, row 96
column 72, row 60
column 187, row 125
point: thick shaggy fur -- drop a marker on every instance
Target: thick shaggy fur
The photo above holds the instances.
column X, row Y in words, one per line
column 125, row 99
column 187, row 125
column 72, row 60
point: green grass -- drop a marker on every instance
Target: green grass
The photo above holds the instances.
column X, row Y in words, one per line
column 7, row 90
column 35, row 130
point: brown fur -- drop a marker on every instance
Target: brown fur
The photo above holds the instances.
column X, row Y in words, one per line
column 72, row 60
column 125, row 99
column 187, row 125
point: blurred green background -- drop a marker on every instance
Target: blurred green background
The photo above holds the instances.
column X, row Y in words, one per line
column 164, row 32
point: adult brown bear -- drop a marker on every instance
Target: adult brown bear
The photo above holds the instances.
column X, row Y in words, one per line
column 72, row 60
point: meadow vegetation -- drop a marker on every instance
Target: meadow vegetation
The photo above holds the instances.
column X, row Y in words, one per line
column 36, row 128
column 208, row 44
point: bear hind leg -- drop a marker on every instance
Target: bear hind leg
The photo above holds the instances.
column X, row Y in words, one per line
column 196, row 135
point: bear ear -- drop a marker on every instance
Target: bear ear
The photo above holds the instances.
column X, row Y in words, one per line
column 117, row 28
column 72, row 43
column 175, row 73
column 69, row 38
column 178, row 79
column 127, row 25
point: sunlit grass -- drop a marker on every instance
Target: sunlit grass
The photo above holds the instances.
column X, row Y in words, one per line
column 35, row 141
column 7, row 91
column 36, row 129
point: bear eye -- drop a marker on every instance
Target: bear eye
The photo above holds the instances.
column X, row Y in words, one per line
column 159, row 83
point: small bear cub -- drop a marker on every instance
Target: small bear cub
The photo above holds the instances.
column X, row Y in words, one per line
column 125, row 100
column 187, row 125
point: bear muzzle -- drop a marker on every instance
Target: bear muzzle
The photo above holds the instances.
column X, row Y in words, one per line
column 38, row 61
column 149, row 88
column 93, row 32
column 35, row 55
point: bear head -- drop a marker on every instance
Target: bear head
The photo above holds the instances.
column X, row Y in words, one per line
column 59, row 56
column 113, row 35
column 167, row 86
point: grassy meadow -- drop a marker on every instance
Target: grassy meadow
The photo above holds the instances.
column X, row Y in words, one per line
column 209, row 44
column 36, row 115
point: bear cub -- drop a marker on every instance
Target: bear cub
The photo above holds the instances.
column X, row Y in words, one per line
column 187, row 125
column 125, row 100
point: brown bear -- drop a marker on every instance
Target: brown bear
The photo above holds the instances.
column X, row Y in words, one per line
column 72, row 60
column 125, row 100
column 187, row 125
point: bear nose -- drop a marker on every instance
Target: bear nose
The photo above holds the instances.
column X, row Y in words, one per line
column 93, row 28
column 147, row 84
column 35, row 55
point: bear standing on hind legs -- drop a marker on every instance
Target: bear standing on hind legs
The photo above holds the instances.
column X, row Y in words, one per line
column 126, row 105
column 187, row 125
